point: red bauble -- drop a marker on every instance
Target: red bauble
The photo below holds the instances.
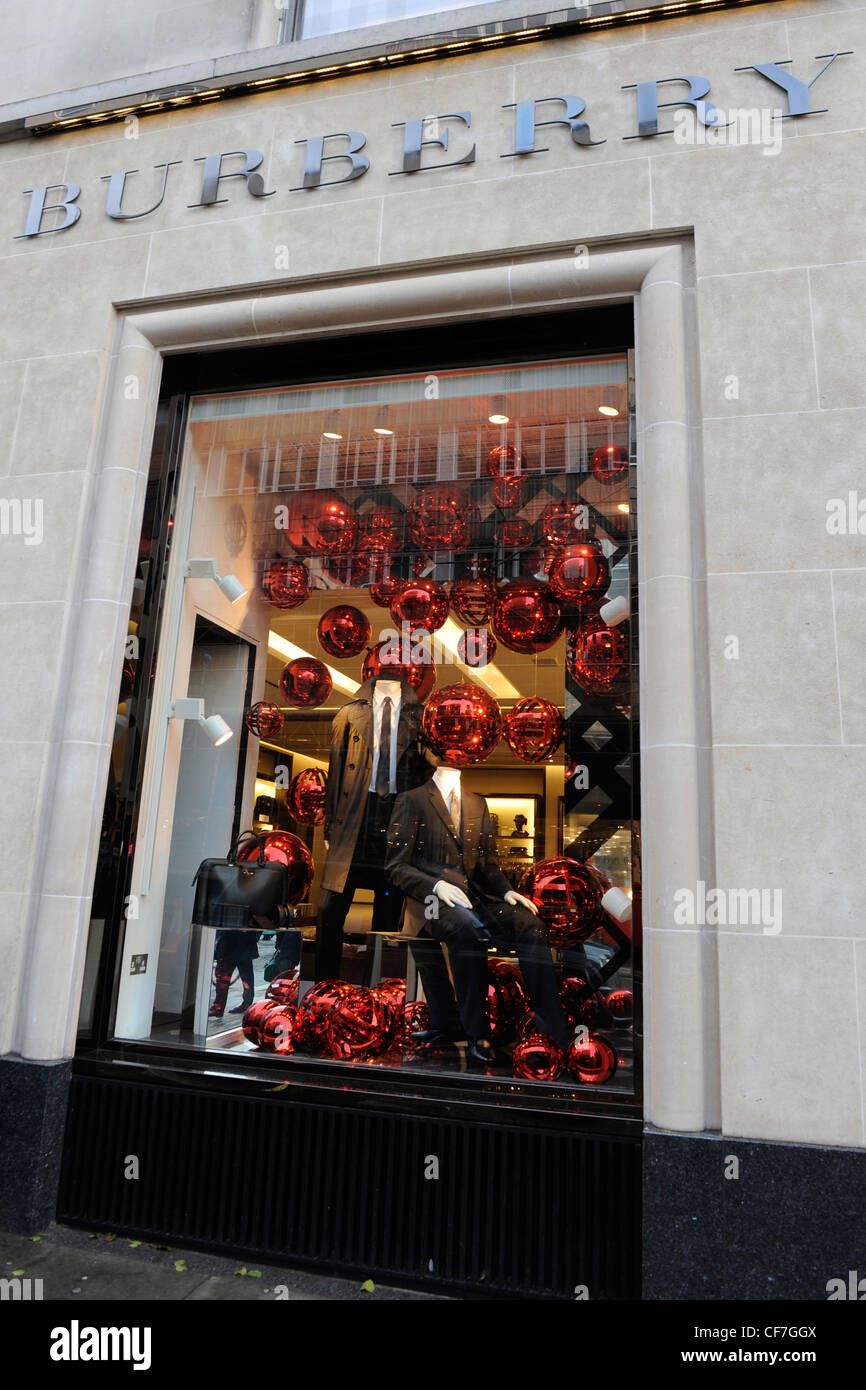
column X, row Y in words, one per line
column 537, row 1058
column 343, row 631
column 526, row 616
column 597, row 657
column 609, row 463
column 276, row 1029
column 515, row 534
column 568, row 897
column 264, row 719
column 462, row 724
column 321, row 523
column 506, row 461
column 534, row 729
column 477, row 647
column 472, row 598
column 442, row 517
column 385, row 590
column 305, row 682
column 416, row 1019
column 562, row 522
column 307, row 794
column 393, row 993
column 304, row 1037
column 506, row 1000
column 509, row 494
column 282, row 847
column 284, row 989
column 580, row 574
column 394, row 990
column 381, row 531
column 384, row 662
column 420, row 603
column 286, row 583
column 359, row 1025
column 579, row 1002
column 315, row 1009
column 620, row 1005
column 592, row 1061
column 254, row 1018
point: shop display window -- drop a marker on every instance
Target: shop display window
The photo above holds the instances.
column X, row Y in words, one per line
column 389, row 804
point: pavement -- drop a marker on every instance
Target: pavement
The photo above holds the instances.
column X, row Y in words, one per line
column 78, row 1266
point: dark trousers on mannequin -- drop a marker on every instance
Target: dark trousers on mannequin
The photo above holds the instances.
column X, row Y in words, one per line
column 512, row 926
column 367, row 871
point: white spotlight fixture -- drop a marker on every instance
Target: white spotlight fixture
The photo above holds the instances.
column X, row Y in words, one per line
column 214, row 725
column 331, row 431
column 498, row 411
column 229, row 584
column 382, row 425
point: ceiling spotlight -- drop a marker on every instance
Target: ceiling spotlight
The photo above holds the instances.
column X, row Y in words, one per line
column 216, row 728
column 331, row 431
column 230, row 585
column 498, row 412
column 382, row 425
column 623, row 507
column 608, row 404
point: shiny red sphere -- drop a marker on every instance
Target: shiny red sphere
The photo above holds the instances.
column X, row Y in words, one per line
column 508, row 494
column 472, row 598
column 284, row 989
column 597, row 657
column 254, row 1018
column 592, row 1061
column 534, row 729
column 307, row 795
column 282, row 847
column 562, row 523
column 264, row 719
column 506, row 461
column 343, row 631
column 620, row 1005
column 321, row 523
column 462, row 724
column 305, row 682
column 420, row 603
column 580, row 574
column 609, row 463
column 384, row 662
column 477, row 647
column 515, row 534
column 314, row 1011
column 359, row 1025
column 537, row 1058
column 277, row 1029
column 442, row 517
column 568, row 897
column 580, row 1003
column 384, row 591
column 380, row 531
column 286, row 583
column 527, row 617
column 506, row 1000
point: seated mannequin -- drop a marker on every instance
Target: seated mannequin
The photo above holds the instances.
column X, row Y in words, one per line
column 442, row 855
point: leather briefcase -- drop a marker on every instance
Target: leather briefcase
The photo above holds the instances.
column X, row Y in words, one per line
column 234, row 892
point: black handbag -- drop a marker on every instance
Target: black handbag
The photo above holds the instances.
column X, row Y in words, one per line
column 234, row 893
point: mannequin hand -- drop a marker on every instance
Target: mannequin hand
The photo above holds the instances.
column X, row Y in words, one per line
column 450, row 895
column 517, row 899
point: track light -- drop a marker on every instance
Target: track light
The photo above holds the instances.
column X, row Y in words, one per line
column 229, row 584
column 498, row 411
column 331, row 431
column 382, row 425
column 607, row 404
column 214, row 725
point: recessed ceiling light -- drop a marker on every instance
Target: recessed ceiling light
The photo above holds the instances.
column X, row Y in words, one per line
column 330, row 431
column 498, row 411
column 382, row 425
column 608, row 410
column 622, row 506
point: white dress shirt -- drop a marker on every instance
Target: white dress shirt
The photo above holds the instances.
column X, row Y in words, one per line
column 382, row 691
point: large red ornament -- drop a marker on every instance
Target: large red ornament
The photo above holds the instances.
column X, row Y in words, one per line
column 506, row 1000
column 381, row 531
column 321, row 523
column 534, row 729
column 472, row 598
column 508, row 494
column 264, row 719
column 537, row 1058
column 568, row 897
column 384, row 591
column 282, row 847
column 307, row 795
column 254, row 1018
column 276, row 1029
column 563, row 522
column 592, row 1061
column 526, row 616
column 579, row 1002
column 461, row 724
column 343, row 631
column 597, row 657
column 393, row 993
column 305, row 682
column 304, row 1037
column 506, row 461
column 385, row 662
column 420, row 603
column 609, row 463
column 359, row 1024
column 620, row 1005
column 580, row 574
column 477, row 647
column 315, row 1009
column 284, row 989
column 515, row 534
column 286, row 583
column 442, row 517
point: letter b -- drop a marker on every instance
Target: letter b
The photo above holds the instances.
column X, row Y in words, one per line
column 37, row 209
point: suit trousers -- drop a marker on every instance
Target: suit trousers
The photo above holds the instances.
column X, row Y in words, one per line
column 513, row 926
column 367, row 871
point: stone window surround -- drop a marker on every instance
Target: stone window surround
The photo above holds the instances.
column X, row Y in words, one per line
column 680, row 966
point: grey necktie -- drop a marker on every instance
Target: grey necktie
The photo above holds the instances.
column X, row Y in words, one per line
column 454, row 812
column 383, row 770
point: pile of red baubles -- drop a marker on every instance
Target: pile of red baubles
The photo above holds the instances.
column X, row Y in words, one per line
column 335, row 1019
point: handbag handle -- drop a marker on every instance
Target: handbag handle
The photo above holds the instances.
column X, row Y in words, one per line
column 233, row 852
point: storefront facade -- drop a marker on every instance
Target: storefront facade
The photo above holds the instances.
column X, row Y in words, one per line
column 532, row 346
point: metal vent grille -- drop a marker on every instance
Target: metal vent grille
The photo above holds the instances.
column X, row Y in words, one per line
column 530, row 1212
